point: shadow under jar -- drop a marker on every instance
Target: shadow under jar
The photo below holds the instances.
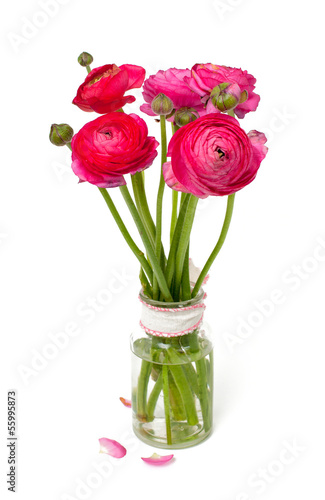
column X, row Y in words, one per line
column 172, row 374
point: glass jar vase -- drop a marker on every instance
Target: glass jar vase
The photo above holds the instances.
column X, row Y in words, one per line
column 172, row 374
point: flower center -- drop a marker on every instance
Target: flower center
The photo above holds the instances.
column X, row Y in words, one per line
column 113, row 71
column 107, row 133
column 220, row 152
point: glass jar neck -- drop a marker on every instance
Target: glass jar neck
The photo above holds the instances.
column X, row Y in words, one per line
column 173, row 305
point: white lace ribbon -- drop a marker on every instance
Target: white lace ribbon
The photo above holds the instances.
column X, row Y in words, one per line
column 171, row 322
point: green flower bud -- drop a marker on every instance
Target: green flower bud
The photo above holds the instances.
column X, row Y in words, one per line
column 243, row 97
column 85, row 59
column 185, row 115
column 225, row 96
column 162, row 105
column 60, row 135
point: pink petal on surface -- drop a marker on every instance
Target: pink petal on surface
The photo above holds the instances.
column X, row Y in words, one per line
column 156, row 459
column 112, row 448
column 126, row 402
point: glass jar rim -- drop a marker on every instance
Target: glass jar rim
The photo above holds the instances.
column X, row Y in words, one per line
column 173, row 305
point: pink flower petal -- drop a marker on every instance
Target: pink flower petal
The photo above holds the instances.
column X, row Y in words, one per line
column 112, row 448
column 195, row 273
column 170, row 178
column 156, row 459
column 126, row 402
column 136, row 75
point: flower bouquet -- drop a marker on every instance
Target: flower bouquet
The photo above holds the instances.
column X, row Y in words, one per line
column 209, row 154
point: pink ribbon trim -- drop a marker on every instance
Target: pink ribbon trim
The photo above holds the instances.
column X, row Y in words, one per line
column 164, row 334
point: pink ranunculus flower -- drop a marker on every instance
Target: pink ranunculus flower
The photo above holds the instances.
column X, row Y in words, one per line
column 213, row 156
column 104, row 88
column 204, row 77
column 171, row 83
column 113, row 145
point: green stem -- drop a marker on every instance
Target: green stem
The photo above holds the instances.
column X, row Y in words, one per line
column 184, row 388
column 174, row 127
column 203, row 391
column 202, row 381
column 153, row 398
column 174, row 200
column 191, row 376
column 150, row 252
column 135, row 249
column 88, row 68
column 146, row 287
column 217, row 248
column 183, row 243
column 143, row 382
column 142, row 205
column 166, row 403
column 144, row 211
column 174, row 214
column 176, row 403
column 160, row 195
column 209, row 364
column 186, row 285
column 177, row 234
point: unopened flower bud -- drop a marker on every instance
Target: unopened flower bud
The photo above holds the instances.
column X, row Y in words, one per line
column 225, row 96
column 243, row 97
column 85, row 59
column 184, row 115
column 60, row 135
column 162, row 105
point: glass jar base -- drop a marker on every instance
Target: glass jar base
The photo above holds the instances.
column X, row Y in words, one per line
column 183, row 435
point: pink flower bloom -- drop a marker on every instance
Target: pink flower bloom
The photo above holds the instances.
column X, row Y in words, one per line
column 171, row 83
column 112, row 448
column 104, row 88
column 204, row 77
column 126, row 402
column 156, row 459
column 113, row 145
column 213, row 156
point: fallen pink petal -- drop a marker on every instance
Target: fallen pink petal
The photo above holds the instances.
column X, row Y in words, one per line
column 126, row 402
column 156, row 459
column 112, row 448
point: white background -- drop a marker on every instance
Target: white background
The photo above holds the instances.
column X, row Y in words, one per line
column 59, row 246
